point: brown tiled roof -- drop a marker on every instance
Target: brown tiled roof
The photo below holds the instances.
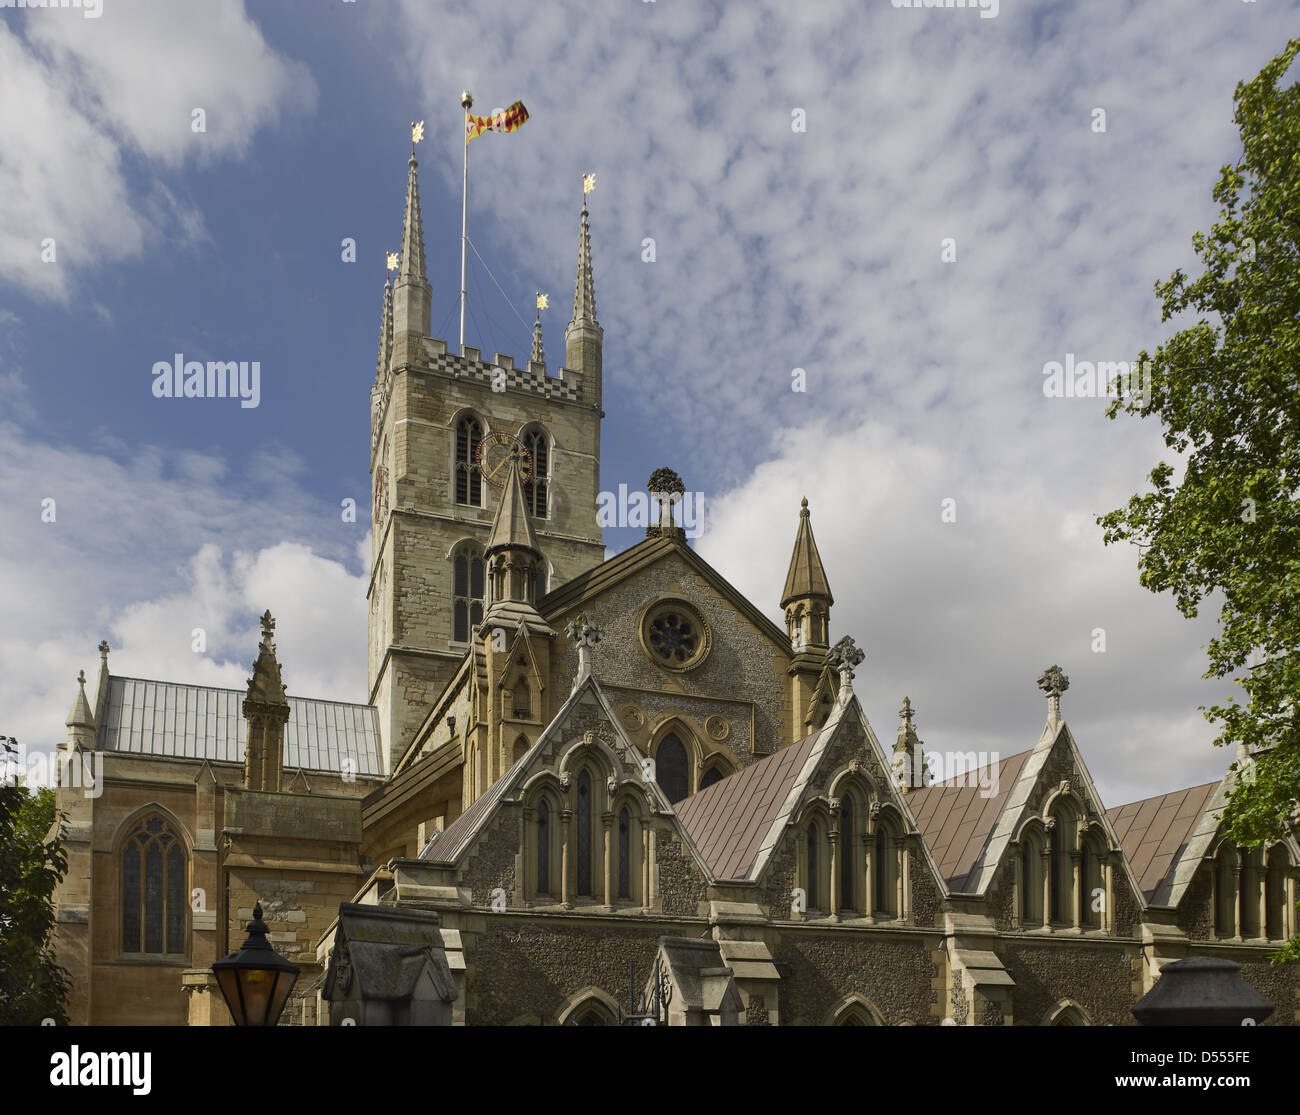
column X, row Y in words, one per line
column 1155, row 830
column 728, row 820
column 955, row 818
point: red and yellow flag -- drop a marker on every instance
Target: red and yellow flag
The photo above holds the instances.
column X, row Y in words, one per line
column 508, row 121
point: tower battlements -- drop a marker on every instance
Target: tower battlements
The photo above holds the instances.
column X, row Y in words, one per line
column 499, row 373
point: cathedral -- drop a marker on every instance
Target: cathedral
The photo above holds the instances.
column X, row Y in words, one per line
column 601, row 791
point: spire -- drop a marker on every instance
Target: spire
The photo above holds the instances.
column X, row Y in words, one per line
column 538, row 356
column 412, row 265
column 512, row 527
column 513, row 558
column 584, row 338
column 267, row 711
column 385, row 333
column 411, row 293
column 806, row 577
column 584, row 287
column 909, row 768
column 81, row 721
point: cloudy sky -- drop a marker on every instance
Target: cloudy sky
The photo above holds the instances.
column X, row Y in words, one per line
column 918, row 208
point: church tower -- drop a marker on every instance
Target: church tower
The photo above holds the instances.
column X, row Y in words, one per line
column 444, row 429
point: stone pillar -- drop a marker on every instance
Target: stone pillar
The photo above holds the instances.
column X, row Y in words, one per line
column 834, row 837
column 531, row 850
column 607, row 821
column 1076, row 877
column 869, row 847
column 1236, row 906
column 566, row 815
column 1047, row 881
column 1017, row 882
column 1261, row 877
column 645, row 866
column 1108, row 908
column 652, row 891
column 901, row 864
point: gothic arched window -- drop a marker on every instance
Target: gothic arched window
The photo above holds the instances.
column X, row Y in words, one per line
column 522, row 703
column 848, row 857
column 1055, row 890
column 624, row 853
column 670, row 769
column 155, row 890
column 537, row 485
column 543, row 847
column 467, row 590
column 469, row 482
column 520, row 749
column 584, row 834
column 814, row 873
column 713, row 775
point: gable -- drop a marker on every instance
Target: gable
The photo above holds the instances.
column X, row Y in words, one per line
column 1155, row 834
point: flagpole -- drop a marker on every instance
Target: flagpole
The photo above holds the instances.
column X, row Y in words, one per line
column 466, row 102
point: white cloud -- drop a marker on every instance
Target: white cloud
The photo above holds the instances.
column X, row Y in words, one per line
column 80, row 99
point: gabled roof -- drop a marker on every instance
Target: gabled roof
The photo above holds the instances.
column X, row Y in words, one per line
column 957, row 817
column 728, row 820
column 450, row 846
column 640, row 556
column 1157, row 834
column 202, row 722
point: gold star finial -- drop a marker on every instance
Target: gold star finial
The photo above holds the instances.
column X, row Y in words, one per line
column 543, row 300
column 392, row 261
column 417, row 132
column 588, row 183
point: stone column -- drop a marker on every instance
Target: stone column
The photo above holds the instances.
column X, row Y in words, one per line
column 1017, row 882
column 902, row 864
column 566, row 816
column 833, row 836
column 869, row 852
column 1108, row 907
column 528, row 874
column 607, row 821
column 1076, row 877
column 1261, row 877
column 645, row 866
column 1047, row 881
column 1236, row 906
column 652, row 891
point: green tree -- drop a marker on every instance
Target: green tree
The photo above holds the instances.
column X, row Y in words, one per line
column 32, row 984
column 1227, row 391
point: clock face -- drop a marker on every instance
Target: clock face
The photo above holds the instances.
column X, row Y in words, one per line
column 493, row 458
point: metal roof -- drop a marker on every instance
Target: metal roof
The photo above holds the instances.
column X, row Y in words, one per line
column 202, row 722
column 1155, row 832
column 956, row 817
column 729, row 819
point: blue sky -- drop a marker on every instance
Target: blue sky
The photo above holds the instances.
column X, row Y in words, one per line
column 775, row 249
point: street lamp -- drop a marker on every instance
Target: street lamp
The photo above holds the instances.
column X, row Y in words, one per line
column 256, row 980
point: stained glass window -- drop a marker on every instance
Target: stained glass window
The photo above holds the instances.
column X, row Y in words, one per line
column 154, row 891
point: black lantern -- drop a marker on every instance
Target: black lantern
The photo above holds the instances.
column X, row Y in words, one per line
column 256, row 980
column 1202, row 991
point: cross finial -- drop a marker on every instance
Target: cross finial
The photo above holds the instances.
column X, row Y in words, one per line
column 1053, row 682
column 81, row 678
column 103, row 649
column 586, row 635
column 844, row 656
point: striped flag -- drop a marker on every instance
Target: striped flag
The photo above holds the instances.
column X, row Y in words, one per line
column 508, row 121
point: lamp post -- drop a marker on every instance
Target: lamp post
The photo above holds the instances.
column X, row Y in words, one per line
column 256, row 980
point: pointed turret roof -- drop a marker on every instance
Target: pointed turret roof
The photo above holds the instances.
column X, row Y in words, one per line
column 79, row 715
column 266, row 684
column 512, row 527
column 584, row 287
column 411, row 268
column 806, row 576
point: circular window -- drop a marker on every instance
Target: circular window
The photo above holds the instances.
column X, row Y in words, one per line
column 674, row 635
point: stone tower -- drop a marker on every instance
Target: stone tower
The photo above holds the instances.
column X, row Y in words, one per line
column 443, row 428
